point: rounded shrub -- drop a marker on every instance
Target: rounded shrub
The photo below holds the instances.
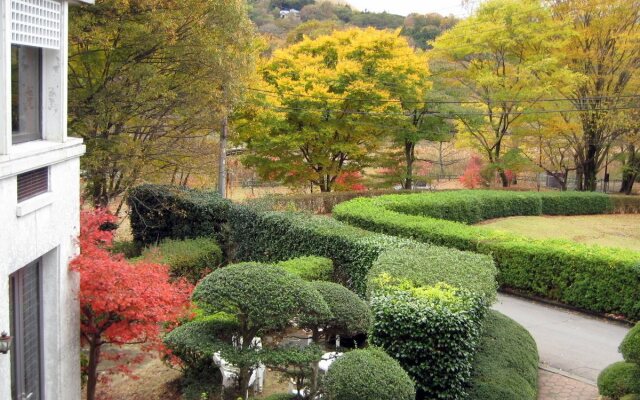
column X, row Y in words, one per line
column 351, row 314
column 630, row 346
column 368, row 374
column 619, row 379
column 191, row 258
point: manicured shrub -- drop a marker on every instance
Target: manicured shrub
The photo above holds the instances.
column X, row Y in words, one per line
column 281, row 396
column 569, row 272
column 432, row 332
column 368, row 374
column 619, row 379
column 190, row 258
column 423, row 266
column 350, row 314
column 506, row 364
column 630, row 346
column 309, row 268
column 159, row 212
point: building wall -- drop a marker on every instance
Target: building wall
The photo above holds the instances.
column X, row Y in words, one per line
column 47, row 229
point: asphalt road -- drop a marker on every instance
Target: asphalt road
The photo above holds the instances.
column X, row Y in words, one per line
column 579, row 344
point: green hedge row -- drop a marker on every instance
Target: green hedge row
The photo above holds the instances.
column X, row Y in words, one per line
column 159, row 212
column 473, row 206
column 506, row 365
column 594, row 278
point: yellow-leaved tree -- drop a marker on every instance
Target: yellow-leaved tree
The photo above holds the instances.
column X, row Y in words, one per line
column 325, row 106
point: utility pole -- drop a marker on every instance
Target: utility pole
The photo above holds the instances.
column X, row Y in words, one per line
column 222, row 161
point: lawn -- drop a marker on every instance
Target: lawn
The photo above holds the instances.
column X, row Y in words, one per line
column 616, row 230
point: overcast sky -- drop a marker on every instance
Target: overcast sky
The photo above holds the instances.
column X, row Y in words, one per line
column 404, row 7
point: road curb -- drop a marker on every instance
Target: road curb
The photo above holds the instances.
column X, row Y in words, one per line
column 566, row 374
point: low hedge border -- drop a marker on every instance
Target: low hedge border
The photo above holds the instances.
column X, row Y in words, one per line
column 572, row 273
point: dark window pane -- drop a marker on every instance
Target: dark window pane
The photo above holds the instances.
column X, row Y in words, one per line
column 33, row 183
column 26, row 368
column 25, row 93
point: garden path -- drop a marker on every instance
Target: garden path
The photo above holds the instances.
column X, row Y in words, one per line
column 577, row 344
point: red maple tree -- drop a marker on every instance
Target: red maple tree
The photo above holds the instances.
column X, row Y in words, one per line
column 121, row 302
column 472, row 177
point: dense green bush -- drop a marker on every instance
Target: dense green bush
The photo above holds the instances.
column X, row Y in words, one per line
column 423, row 266
column 569, row 272
column 350, row 314
column 625, row 204
column 619, row 379
column 368, row 374
column 189, row 258
column 630, row 346
column 506, row 365
column 275, row 236
column 432, row 332
column 280, row 396
column 309, row 268
column 159, row 212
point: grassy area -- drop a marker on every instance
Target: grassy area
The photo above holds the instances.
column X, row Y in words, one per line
column 615, row 230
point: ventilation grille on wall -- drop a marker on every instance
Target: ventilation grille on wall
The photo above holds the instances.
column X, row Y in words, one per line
column 36, row 23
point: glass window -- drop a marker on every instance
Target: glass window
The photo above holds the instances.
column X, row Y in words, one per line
column 26, row 367
column 26, row 76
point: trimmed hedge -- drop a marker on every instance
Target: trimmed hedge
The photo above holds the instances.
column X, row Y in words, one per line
column 630, row 346
column 350, row 314
column 506, row 365
column 619, row 379
column 565, row 271
column 309, row 268
column 159, row 212
column 275, row 236
column 368, row 374
column 190, row 258
column 433, row 333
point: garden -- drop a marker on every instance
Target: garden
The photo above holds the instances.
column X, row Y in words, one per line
column 388, row 298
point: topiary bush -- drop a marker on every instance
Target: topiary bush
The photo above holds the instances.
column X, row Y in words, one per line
column 190, row 258
column 569, row 272
column 619, row 379
column 432, row 332
column 309, row 268
column 630, row 346
column 160, row 211
column 368, row 374
column 350, row 314
column 506, row 364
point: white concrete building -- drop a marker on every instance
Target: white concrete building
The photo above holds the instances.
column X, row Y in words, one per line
column 39, row 205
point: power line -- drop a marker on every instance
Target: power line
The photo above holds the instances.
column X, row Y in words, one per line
column 497, row 101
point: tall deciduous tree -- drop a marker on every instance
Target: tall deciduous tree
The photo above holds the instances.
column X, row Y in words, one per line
column 120, row 303
column 327, row 104
column 504, row 58
column 149, row 81
column 604, row 49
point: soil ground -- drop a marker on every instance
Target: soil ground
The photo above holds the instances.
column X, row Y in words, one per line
column 615, row 230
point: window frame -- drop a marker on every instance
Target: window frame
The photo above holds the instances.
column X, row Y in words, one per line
column 18, row 137
column 16, row 289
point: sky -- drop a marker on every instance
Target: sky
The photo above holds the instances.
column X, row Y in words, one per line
column 404, row 7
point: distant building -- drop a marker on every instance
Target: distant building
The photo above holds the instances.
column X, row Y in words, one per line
column 39, row 198
column 289, row 13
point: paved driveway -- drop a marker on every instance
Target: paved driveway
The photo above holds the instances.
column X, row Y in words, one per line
column 576, row 343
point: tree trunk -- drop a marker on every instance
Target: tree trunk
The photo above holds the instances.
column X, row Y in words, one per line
column 504, row 178
column 630, row 172
column 92, row 368
column 590, row 170
column 409, row 156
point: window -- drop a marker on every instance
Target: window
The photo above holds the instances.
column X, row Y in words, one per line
column 26, row 354
column 26, row 77
column 33, row 183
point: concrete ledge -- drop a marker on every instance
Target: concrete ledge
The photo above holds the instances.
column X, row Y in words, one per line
column 548, row 368
column 34, row 204
column 37, row 154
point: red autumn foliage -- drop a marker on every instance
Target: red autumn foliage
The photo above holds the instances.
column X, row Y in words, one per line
column 472, row 177
column 350, row 182
column 120, row 302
